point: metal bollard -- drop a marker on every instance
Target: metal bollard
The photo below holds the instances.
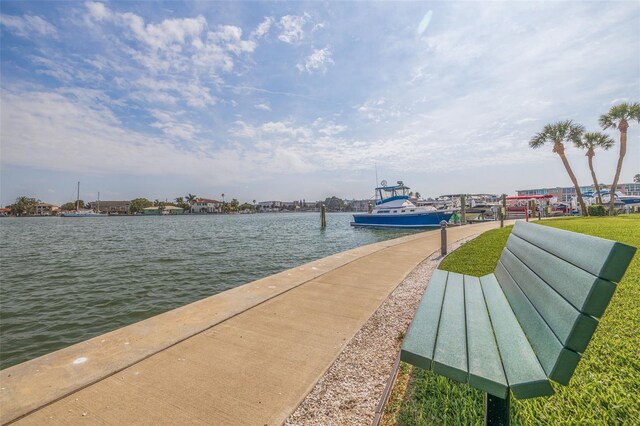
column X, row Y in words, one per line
column 443, row 237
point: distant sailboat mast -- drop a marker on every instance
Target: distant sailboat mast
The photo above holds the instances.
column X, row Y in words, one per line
column 78, row 198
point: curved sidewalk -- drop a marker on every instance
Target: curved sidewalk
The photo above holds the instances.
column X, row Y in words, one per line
column 246, row 356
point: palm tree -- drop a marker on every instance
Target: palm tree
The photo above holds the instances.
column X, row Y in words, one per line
column 636, row 178
column 618, row 117
column 191, row 198
column 557, row 133
column 590, row 141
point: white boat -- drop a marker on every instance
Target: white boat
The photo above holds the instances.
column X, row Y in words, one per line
column 82, row 213
column 394, row 210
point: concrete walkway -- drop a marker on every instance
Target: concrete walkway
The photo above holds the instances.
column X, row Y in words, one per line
column 245, row 356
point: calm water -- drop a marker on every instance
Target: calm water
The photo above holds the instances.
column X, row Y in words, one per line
column 64, row 280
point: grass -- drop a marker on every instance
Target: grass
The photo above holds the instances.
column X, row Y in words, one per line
column 605, row 388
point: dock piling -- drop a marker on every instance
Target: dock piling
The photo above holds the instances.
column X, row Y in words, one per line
column 323, row 216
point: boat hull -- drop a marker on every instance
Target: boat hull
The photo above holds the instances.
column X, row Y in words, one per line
column 405, row 220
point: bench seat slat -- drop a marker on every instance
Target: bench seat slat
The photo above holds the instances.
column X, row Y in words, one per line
column 573, row 329
column 588, row 293
column 557, row 361
column 419, row 343
column 485, row 367
column 450, row 358
column 525, row 375
column 603, row 258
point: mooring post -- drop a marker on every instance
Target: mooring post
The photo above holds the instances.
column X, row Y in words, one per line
column 503, row 210
column 496, row 410
column 463, row 209
column 443, row 237
column 323, row 216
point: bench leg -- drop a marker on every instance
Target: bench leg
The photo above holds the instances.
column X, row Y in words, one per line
column 496, row 410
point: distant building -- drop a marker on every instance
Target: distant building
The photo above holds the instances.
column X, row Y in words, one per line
column 111, row 207
column 565, row 193
column 630, row 188
column 206, row 205
column 45, row 209
column 269, row 206
column 165, row 210
column 360, row 205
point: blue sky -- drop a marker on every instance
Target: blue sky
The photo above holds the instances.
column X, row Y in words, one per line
column 291, row 100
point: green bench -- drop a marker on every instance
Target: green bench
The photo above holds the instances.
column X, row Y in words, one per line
column 525, row 324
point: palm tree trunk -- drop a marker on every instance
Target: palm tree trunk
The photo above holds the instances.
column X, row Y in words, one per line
column 623, row 151
column 575, row 183
column 595, row 181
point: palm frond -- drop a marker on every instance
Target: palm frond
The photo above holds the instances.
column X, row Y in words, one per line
column 538, row 140
column 598, row 139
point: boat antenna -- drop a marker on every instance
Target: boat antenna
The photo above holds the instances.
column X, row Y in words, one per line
column 376, row 166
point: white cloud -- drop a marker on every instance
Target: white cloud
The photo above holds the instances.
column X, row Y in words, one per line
column 27, row 25
column 98, row 11
column 317, row 61
column 171, row 126
column 263, row 28
column 292, row 28
column 263, row 106
column 49, row 131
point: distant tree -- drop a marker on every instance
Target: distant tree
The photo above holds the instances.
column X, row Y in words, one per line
column 23, row 206
column 71, row 205
column 233, row 205
column 636, row 178
column 334, row 204
column 418, row 195
column 182, row 204
column 139, row 204
column 618, row 117
column 190, row 199
column 557, row 133
column 590, row 141
column 246, row 207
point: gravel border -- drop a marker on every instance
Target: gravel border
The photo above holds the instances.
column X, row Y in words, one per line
column 349, row 391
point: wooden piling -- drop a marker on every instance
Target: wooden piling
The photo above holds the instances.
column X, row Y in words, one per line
column 323, row 216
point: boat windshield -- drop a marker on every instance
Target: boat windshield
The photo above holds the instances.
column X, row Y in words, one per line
column 393, row 191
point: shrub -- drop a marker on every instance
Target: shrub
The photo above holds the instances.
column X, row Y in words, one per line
column 597, row 210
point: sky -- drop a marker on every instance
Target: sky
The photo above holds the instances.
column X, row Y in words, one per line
column 304, row 100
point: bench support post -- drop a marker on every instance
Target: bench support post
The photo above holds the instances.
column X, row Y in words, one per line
column 496, row 410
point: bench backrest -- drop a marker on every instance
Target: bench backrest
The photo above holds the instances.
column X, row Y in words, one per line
column 558, row 282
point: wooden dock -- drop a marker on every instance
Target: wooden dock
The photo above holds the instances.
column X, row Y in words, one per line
column 245, row 356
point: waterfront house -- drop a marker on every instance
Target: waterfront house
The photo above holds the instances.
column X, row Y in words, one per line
column 111, row 207
column 269, row 206
column 45, row 209
column 163, row 210
column 206, row 205
column 360, row 205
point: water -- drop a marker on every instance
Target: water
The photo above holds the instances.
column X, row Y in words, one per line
column 64, row 280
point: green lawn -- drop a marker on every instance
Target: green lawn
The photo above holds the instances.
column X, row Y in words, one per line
column 605, row 388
